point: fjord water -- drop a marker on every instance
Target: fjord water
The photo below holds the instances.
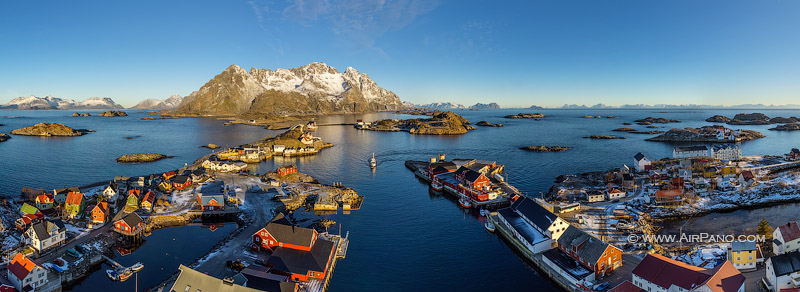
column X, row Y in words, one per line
column 404, row 238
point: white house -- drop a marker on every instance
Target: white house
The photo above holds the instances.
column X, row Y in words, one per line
column 783, row 271
column 726, row 152
column 657, row 273
column 224, row 166
column 689, row 151
column 616, row 194
column 540, row 218
column 641, row 162
column 46, row 234
column 596, row 196
column 786, row 238
column 685, row 173
column 724, row 183
column 278, row 148
column 22, row 272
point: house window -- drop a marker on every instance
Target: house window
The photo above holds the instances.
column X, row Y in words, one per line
column 738, row 258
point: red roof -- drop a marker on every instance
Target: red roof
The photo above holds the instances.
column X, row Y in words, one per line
column 21, row 266
column 669, row 193
column 149, row 197
column 44, row 198
column 134, row 192
column 626, row 286
column 789, row 231
column 6, row 288
column 747, row 175
column 666, row 272
column 790, row 290
column 74, row 198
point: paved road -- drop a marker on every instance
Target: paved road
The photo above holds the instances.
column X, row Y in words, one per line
column 53, row 254
column 753, row 281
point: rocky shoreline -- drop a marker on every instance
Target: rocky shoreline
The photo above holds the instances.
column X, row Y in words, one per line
column 442, row 123
column 141, row 157
column 654, row 120
column 4, row 137
column 76, row 114
column 49, row 130
column 705, row 134
column 487, row 124
column 786, row 127
column 540, row 148
column 604, row 137
column 624, row 130
column 526, row 116
column 113, row 113
column 752, row 119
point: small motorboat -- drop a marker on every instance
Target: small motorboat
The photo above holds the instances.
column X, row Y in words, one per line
column 125, row 274
column 464, row 202
column 137, row 267
column 489, row 226
column 484, row 212
column 311, row 126
column 372, row 162
column 112, row 275
column 436, row 185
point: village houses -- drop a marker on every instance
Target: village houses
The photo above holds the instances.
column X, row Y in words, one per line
column 641, row 162
column 726, row 152
column 46, row 234
column 591, row 252
column 689, row 151
column 744, row 255
column 75, row 205
column 786, row 238
column 657, row 273
column 24, row 274
column 783, row 272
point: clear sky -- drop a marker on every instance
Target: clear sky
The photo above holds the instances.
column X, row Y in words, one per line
column 514, row 53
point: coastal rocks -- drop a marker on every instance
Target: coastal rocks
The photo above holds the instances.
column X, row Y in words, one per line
column 140, row 157
column 487, row 124
column 752, row 119
column 653, row 120
column 49, row 129
column 646, row 132
column 787, row 127
column 627, row 124
column 446, row 123
column 211, row 146
column 525, row 116
column 604, row 137
column 4, row 137
column 624, row 130
column 707, row 134
column 148, row 118
column 599, row 117
column 81, row 115
column 545, row 148
column 653, row 127
column 113, row 113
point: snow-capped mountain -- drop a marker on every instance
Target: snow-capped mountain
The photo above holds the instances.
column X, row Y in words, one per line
column 441, row 106
column 157, row 104
column 315, row 88
column 49, row 102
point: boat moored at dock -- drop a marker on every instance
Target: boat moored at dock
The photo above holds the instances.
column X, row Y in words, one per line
column 489, row 226
column 137, row 267
column 436, row 185
column 464, row 202
column 113, row 275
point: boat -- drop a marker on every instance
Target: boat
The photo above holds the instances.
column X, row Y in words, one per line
column 137, row 267
column 372, row 162
column 311, row 126
column 125, row 274
column 489, row 226
column 464, row 202
column 112, row 275
column 437, row 185
column 484, row 212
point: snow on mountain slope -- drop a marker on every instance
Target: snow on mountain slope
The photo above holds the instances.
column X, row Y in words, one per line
column 49, row 102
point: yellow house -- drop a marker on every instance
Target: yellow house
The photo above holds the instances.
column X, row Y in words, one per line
column 710, row 172
column 744, row 255
column 728, row 170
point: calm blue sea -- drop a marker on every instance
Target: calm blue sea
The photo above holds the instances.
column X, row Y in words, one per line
column 404, row 238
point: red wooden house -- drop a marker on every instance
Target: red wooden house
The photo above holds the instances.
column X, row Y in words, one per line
column 591, row 252
column 181, row 182
column 284, row 170
column 472, row 179
column 128, row 224
column 169, row 175
column 440, row 167
column 295, row 252
column 211, row 202
column 98, row 213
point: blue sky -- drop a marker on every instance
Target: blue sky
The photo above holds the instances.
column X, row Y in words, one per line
column 514, row 53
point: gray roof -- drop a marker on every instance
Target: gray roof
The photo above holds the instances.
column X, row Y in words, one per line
column 42, row 228
column 724, row 146
column 522, row 227
column 592, row 249
column 534, row 212
column 194, row 281
column 638, row 156
column 300, row 261
column 785, row 264
column 690, row 148
column 283, row 231
column 204, row 199
column 743, row 245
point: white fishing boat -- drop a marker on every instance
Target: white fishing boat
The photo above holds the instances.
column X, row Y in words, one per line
column 311, row 126
column 112, row 275
column 489, row 226
column 484, row 212
column 436, row 185
column 137, row 267
column 464, row 202
column 372, row 162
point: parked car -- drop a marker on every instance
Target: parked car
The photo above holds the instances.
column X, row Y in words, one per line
column 601, row 287
column 81, row 248
column 58, row 262
column 73, row 253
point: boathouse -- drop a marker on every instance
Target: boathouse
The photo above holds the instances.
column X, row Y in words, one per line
column 128, row 224
column 473, row 179
column 193, row 281
column 539, row 218
column 591, row 252
column 440, row 167
column 181, row 182
column 286, row 170
column 211, row 202
column 279, row 232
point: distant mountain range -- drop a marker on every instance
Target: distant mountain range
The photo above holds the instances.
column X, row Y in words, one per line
column 441, row 106
column 51, row 103
column 482, row 106
column 315, row 88
column 157, row 104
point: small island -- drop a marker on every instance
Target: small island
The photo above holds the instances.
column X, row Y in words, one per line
column 141, row 157
column 147, row 118
column 646, row 132
column 113, row 113
column 48, row 130
column 545, row 148
column 752, row 119
column 624, row 130
column 441, row 123
column 210, row 146
column 787, row 127
column 4, row 137
column 653, row 120
column 81, row 115
column 711, row 134
column 525, row 116
column 604, row 137
column 487, row 124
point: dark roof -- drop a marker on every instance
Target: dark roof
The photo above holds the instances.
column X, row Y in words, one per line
column 534, row 212
column 204, row 199
column 590, row 247
column 199, row 171
column 566, row 263
column 521, row 226
column 67, row 190
column 181, row 179
column 787, row 263
column 257, row 278
column 42, row 228
column 691, row 148
column 638, row 156
column 472, row 175
column 300, row 261
column 443, row 166
column 283, row 231
column 665, row 272
column 462, row 170
column 795, row 150
column 132, row 219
